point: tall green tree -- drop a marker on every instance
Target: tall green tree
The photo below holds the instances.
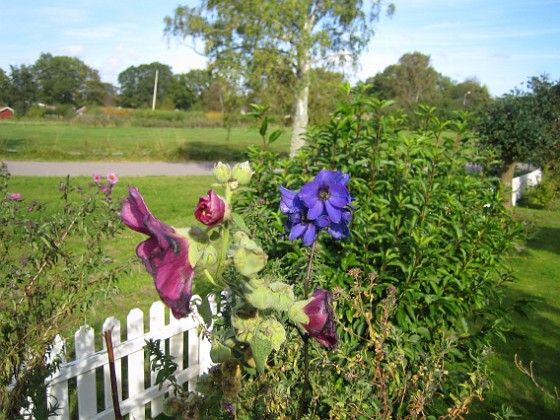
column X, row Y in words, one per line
column 515, row 128
column 23, row 88
column 137, row 84
column 243, row 36
column 66, row 80
column 5, row 88
column 188, row 89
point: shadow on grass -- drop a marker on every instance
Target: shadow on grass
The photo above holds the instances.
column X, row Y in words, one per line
column 546, row 239
column 200, row 151
column 534, row 338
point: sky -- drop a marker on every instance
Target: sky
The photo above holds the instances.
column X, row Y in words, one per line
column 501, row 43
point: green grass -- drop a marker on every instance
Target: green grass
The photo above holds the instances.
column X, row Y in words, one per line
column 65, row 142
column 535, row 338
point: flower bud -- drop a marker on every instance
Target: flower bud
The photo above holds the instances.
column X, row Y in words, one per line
column 315, row 316
column 222, row 172
column 211, row 209
column 242, row 173
column 248, row 257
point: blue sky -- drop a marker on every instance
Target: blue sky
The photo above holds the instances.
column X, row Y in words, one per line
column 500, row 42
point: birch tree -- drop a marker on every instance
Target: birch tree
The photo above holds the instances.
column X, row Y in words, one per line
column 244, row 36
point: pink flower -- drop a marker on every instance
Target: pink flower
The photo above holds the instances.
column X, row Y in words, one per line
column 315, row 315
column 211, row 209
column 15, row 196
column 112, row 178
column 97, row 178
column 165, row 254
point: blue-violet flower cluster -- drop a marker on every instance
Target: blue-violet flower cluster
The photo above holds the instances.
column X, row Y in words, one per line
column 321, row 203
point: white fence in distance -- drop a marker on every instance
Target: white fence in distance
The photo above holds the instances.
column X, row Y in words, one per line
column 521, row 183
column 138, row 393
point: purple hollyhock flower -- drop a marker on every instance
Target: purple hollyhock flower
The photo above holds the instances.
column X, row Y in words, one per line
column 211, row 209
column 315, row 315
column 165, row 254
column 326, row 194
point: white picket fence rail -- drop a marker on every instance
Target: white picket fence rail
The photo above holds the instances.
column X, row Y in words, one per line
column 521, row 183
column 183, row 342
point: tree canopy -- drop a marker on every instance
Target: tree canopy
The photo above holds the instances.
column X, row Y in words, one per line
column 243, row 39
column 137, row 84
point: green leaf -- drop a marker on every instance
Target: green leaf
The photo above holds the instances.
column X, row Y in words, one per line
column 205, row 310
column 260, row 348
column 240, row 222
column 275, row 135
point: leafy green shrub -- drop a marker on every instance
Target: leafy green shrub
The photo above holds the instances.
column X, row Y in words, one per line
column 420, row 279
column 545, row 195
column 53, row 267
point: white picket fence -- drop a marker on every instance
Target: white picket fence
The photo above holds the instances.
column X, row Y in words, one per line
column 521, row 183
column 183, row 342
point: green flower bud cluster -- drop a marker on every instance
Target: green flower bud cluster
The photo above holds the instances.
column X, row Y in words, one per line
column 240, row 174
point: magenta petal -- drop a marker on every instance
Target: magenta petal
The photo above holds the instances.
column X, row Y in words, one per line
column 134, row 211
column 171, row 270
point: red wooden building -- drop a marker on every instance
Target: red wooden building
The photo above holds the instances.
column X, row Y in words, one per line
column 6, row 112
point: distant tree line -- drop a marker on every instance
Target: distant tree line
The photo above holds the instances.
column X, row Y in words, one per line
column 67, row 81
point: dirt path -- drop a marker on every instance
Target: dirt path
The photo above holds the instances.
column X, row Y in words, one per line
column 30, row 168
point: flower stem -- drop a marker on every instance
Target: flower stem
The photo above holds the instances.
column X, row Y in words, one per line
column 309, row 269
column 306, row 338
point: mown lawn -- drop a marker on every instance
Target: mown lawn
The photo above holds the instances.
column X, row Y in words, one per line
column 536, row 337
column 65, row 142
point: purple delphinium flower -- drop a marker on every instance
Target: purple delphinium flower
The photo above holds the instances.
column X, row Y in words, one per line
column 321, row 203
column 165, row 254
column 327, row 193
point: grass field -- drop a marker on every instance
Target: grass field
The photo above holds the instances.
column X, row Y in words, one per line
column 64, row 142
column 535, row 338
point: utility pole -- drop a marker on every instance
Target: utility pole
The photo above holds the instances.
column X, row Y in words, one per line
column 155, row 91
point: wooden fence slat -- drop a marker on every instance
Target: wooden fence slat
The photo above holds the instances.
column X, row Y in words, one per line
column 157, row 321
column 87, row 393
column 176, row 344
column 135, row 329
column 114, row 325
column 87, row 361
column 57, row 395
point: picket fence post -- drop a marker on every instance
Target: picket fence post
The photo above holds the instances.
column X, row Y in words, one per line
column 137, row 394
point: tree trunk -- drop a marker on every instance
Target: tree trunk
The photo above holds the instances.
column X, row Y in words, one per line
column 506, row 177
column 301, row 117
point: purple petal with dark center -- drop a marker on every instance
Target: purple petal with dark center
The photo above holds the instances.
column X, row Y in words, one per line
column 309, row 193
column 316, row 211
column 339, row 195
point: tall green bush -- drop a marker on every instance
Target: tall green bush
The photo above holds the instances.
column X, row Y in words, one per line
column 419, row 281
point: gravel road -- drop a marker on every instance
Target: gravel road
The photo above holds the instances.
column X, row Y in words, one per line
column 30, row 168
